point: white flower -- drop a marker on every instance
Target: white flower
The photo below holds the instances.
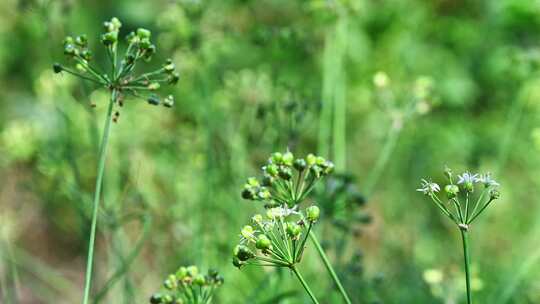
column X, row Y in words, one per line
column 281, row 212
column 428, row 187
column 487, row 180
column 467, row 178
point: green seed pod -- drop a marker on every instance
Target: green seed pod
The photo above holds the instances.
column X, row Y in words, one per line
column 300, row 164
column 271, row 169
column 328, row 167
column 293, row 230
column 143, row 33
column 451, row 191
column 285, row 173
column 81, row 41
column 169, row 68
column 145, row 43
column 70, row 50
column 243, row 253
column 263, row 243
column 153, row 86
column 248, row 193
column 168, row 299
column 109, row 38
column 253, row 182
column 316, row 170
column 86, row 55
column 174, row 78
column 320, row 161
column 288, row 158
column 469, row 186
column 494, row 194
column 199, row 280
column 192, row 270
column 130, row 38
column 181, row 273
column 247, row 232
column 156, row 298
column 276, row 158
column 311, row 159
column 153, row 100
column 170, row 283
column 68, row 40
column 267, row 180
column 237, row 263
column 313, row 213
column 116, row 23
column 168, row 101
column 57, row 68
column 257, row 218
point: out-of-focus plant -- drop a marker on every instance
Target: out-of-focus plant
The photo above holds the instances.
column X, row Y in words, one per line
column 277, row 240
column 188, row 286
column 122, row 82
column 286, row 183
column 463, row 212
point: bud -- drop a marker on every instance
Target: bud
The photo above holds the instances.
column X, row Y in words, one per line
column 143, row 33
column 313, row 213
column 267, row 180
column 153, row 100
column 150, row 51
column 264, row 194
column 199, row 280
column 130, row 38
column 243, row 253
column 57, row 68
column 167, row 299
column 263, row 243
column 271, row 169
column 168, row 101
column 311, row 159
column 192, row 270
column 174, row 78
column 156, row 298
column 451, row 191
column 154, row 86
column 109, row 38
column 285, row 173
column 469, row 186
column 145, row 43
column 247, row 232
column 169, row 68
column 237, row 263
column 257, row 218
column 181, row 273
column 170, row 283
column 494, row 194
column 116, row 23
column 69, row 49
column 276, row 158
column 81, row 41
column 86, row 55
column 448, row 173
column 68, row 40
column 288, row 158
column 293, row 230
column 248, row 193
column 300, row 164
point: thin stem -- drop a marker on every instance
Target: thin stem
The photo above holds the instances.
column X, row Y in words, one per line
column 382, row 160
column 97, row 195
column 464, row 237
column 481, row 210
column 329, row 267
column 304, row 284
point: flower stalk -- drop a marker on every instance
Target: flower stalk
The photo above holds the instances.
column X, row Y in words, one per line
column 465, row 212
column 122, row 82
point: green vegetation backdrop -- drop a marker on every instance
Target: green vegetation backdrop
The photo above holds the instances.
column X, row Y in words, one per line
column 460, row 87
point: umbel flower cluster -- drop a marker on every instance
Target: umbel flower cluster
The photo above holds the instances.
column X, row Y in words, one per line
column 188, row 286
column 277, row 239
column 459, row 194
column 121, row 78
column 287, row 181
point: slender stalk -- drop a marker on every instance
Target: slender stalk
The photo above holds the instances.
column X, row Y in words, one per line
column 329, row 267
column 97, row 196
column 466, row 257
column 304, row 284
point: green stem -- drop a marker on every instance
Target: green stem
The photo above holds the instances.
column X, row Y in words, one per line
column 304, row 284
column 329, row 267
column 97, row 195
column 382, row 160
column 464, row 237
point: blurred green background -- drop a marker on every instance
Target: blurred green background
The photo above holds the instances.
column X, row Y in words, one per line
column 456, row 83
